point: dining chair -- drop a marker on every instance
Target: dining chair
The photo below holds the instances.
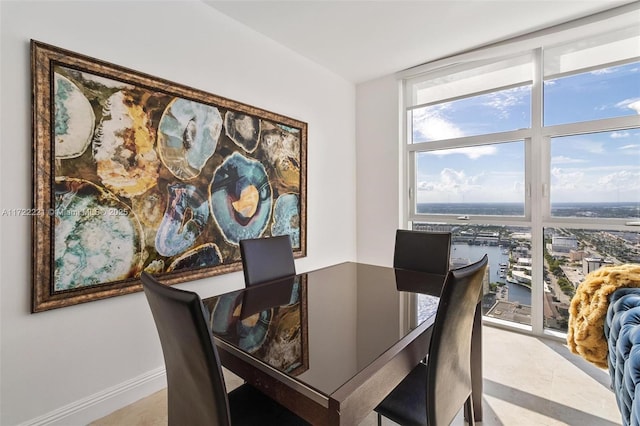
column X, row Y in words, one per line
column 196, row 388
column 267, row 259
column 422, row 251
column 433, row 393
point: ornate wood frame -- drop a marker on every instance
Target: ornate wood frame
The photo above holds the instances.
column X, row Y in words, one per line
column 254, row 148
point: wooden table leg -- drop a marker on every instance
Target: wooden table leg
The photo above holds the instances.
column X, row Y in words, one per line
column 476, row 363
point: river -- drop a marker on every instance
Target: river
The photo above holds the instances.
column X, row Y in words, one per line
column 472, row 253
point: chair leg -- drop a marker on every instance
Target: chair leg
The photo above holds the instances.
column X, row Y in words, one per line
column 379, row 419
column 468, row 411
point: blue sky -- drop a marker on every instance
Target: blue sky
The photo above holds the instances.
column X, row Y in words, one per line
column 592, row 167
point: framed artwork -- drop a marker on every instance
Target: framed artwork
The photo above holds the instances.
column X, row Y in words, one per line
column 134, row 173
column 268, row 321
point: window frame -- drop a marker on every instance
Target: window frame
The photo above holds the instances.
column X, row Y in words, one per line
column 537, row 146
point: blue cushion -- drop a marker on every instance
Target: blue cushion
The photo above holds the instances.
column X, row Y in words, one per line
column 622, row 330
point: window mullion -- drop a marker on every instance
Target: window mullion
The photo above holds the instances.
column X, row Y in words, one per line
column 535, row 162
column 602, row 125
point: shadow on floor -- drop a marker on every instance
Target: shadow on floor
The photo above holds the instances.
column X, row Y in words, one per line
column 599, row 375
column 552, row 409
column 489, row 416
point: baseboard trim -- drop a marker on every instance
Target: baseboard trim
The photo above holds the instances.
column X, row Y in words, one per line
column 98, row 405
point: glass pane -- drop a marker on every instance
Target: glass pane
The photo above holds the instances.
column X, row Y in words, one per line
column 603, row 93
column 596, row 175
column 507, row 287
column 569, row 255
column 480, row 180
column 493, row 112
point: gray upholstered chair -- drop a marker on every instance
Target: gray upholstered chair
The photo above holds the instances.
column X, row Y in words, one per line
column 196, row 389
column 433, row 393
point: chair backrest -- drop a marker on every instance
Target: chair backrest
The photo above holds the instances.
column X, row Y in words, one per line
column 422, row 251
column 449, row 360
column 195, row 384
column 267, row 259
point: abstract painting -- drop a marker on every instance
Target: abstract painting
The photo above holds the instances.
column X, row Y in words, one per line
column 135, row 173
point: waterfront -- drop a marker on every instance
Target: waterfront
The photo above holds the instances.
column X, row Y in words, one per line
column 628, row 210
column 564, row 265
column 472, row 253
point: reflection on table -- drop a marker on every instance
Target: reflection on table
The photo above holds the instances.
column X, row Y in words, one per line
column 331, row 344
column 268, row 321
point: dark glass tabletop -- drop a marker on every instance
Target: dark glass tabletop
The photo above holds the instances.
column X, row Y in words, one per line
column 323, row 327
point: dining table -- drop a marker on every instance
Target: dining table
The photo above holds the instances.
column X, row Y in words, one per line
column 330, row 344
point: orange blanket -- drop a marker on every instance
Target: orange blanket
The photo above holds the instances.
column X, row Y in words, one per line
column 588, row 310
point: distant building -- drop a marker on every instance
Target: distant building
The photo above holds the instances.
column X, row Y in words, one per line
column 573, row 274
column 590, row 264
column 562, row 244
column 511, row 311
column 431, row 227
column 521, row 251
column 456, row 262
column 488, row 238
column 521, row 272
column 521, row 236
column 576, row 255
column 555, row 313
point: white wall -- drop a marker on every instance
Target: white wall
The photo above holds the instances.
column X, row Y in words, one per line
column 378, row 169
column 86, row 360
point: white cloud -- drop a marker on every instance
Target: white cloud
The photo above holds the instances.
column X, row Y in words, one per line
column 561, row 159
column 624, row 180
column 453, row 178
column 563, row 179
column 449, row 180
column 605, row 183
column 437, row 128
column 630, row 152
column 618, row 135
column 603, row 71
column 432, row 126
column 504, row 100
column 426, row 186
column 473, row 152
column 632, row 103
column 518, row 187
column 451, row 185
column 591, row 147
column 635, row 106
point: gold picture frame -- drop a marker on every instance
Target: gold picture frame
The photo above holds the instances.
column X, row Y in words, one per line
column 133, row 172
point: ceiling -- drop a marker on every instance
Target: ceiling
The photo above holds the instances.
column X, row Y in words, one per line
column 362, row 40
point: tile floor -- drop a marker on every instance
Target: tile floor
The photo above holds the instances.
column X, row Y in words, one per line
column 527, row 381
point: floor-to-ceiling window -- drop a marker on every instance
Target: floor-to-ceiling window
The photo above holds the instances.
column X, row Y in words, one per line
column 530, row 152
